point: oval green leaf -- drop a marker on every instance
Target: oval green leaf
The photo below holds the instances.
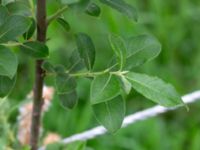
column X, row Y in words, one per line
column 141, row 49
column 13, row 27
column 31, row 30
column 64, row 83
column 3, row 14
column 111, row 113
column 103, row 88
column 155, row 89
column 48, row 67
column 76, row 63
column 119, row 49
column 6, row 85
column 93, row 10
column 18, row 8
column 35, row 49
column 8, row 62
column 86, row 49
column 122, row 7
column 63, row 23
column 68, row 100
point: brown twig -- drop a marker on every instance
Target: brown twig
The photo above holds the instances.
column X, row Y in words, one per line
column 39, row 76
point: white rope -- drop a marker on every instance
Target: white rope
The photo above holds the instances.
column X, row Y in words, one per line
column 141, row 115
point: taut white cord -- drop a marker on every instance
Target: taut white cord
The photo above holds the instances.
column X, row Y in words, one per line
column 141, row 115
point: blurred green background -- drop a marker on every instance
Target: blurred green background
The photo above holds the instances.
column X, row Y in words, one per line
column 176, row 24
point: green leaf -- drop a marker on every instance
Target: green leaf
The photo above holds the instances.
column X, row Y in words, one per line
column 126, row 85
column 6, row 85
column 55, row 146
column 18, row 8
column 155, row 89
column 122, row 7
column 59, row 69
column 93, row 10
column 69, row 1
column 64, row 83
column 31, row 30
column 3, row 14
column 35, row 49
column 68, row 100
column 13, row 27
column 63, row 23
column 79, row 145
column 141, row 49
column 111, row 113
column 103, row 88
column 86, row 49
column 8, row 62
column 119, row 48
column 76, row 62
column 48, row 67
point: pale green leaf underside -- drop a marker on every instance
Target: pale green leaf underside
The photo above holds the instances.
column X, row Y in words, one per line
column 141, row 49
column 122, row 7
column 126, row 85
column 104, row 88
column 155, row 89
column 8, row 62
column 111, row 113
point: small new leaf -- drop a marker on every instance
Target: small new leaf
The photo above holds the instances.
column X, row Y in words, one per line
column 6, row 85
column 86, row 49
column 155, row 89
column 103, row 88
column 93, row 10
column 64, row 83
column 122, row 7
column 111, row 113
column 63, row 23
column 141, row 49
column 13, row 27
column 8, row 62
column 35, row 49
column 68, row 100
column 119, row 48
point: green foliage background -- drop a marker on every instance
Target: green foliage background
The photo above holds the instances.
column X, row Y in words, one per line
column 176, row 24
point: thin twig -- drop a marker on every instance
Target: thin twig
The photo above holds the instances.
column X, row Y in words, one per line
column 56, row 14
column 39, row 77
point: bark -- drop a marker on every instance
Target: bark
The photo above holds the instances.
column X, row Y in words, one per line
column 39, row 77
